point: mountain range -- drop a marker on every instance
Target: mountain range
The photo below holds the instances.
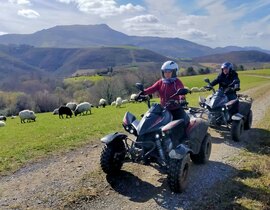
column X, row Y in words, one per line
column 82, row 36
column 62, row 50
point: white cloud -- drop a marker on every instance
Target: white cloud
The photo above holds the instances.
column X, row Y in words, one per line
column 142, row 19
column 103, row 8
column 20, row 2
column 28, row 13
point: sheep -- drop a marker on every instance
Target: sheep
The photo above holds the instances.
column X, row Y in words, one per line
column 71, row 105
column 202, row 89
column 83, row 108
column 64, row 110
column 2, row 124
column 118, row 102
column 125, row 101
column 27, row 115
column 133, row 97
column 102, row 102
column 3, row 118
column 56, row 111
column 195, row 89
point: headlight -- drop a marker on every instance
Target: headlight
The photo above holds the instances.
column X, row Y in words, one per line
column 131, row 131
column 205, row 107
column 157, row 136
column 222, row 108
column 127, row 128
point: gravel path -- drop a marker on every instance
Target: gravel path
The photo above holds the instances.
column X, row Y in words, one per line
column 75, row 181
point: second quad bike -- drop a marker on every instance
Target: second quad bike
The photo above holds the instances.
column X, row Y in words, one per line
column 219, row 110
column 158, row 141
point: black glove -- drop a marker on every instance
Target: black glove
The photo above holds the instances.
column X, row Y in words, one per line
column 208, row 87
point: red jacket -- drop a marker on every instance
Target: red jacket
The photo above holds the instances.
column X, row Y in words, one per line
column 165, row 90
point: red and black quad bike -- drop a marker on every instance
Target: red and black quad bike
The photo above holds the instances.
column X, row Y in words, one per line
column 218, row 109
column 159, row 141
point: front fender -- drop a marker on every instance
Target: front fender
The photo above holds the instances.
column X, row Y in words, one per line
column 179, row 152
column 237, row 117
column 113, row 136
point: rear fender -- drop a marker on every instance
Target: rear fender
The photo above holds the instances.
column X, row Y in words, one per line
column 237, row 117
column 113, row 137
column 179, row 152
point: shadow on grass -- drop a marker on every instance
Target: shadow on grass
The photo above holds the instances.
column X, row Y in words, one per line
column 228, row 195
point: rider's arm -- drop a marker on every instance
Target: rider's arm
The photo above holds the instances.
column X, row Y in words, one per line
column 179, row 85
column 152, row 89
column 215, row 81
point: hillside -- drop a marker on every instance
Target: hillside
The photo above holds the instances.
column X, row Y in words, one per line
column 84, row 36
column 81, row 36
column 65, row 61
column 238, row 57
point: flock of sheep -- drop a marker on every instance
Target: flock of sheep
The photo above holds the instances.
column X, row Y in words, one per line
column 68, row 110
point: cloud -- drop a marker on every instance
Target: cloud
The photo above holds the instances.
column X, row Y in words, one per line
column 28, row 13
column 196, row 34
column 142, row 19
column 20, row 2
column 103, row 8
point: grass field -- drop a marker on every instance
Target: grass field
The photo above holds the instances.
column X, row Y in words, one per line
column 21, row 143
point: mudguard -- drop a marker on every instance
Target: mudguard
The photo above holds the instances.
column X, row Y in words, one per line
column 237, row 117
column 179, row 152
column 113, row 136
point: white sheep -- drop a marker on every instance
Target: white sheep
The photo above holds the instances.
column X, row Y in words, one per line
column 72, row 105
column 27, row 115
column 133, row 97
column 125, row 101
column 118, row 102
column 195, row 89
column 56, row 111
column 2, row 124
column 113, row 103
column 102, row 102
column 83, row 108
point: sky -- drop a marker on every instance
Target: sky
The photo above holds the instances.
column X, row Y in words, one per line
column 213, row 23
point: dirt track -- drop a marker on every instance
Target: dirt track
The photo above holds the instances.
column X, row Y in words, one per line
column 75, row 181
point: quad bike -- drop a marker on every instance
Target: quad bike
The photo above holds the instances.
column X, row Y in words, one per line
column 220, row 113
column 159, row 141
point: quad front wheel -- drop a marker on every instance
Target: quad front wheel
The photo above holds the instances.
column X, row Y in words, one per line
column 237, row 129
column 112, row 157
column 178, row 171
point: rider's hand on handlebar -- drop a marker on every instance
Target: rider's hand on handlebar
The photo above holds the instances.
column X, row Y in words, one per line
column 208, row 87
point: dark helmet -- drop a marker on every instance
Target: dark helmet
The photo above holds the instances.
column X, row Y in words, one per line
column 170, row 66
column 227, row 65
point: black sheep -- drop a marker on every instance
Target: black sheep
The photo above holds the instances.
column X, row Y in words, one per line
column 3, row 118
column 64, row 110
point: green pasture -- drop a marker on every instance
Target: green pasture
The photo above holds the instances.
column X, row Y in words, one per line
column 80, row 79
column 262, row 72
column 22, row 143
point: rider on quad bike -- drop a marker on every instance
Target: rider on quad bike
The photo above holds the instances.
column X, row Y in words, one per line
column 228, row 80
column 166, row 87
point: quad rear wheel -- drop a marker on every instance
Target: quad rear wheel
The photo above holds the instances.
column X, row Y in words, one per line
column 205, row 151
column 237, row 129
column 248, row 121
column 178, row 170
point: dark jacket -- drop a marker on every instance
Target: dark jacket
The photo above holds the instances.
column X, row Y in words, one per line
column 225, row 80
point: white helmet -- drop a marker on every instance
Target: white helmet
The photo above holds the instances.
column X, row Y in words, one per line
column 170, row 66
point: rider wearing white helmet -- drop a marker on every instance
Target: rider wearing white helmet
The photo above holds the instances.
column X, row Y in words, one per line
column 166, row 87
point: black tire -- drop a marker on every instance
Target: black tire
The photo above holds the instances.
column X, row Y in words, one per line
column 112, row 157
column 248, row 122
column 205, row 151
column 178, row 171
column 237, row 129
